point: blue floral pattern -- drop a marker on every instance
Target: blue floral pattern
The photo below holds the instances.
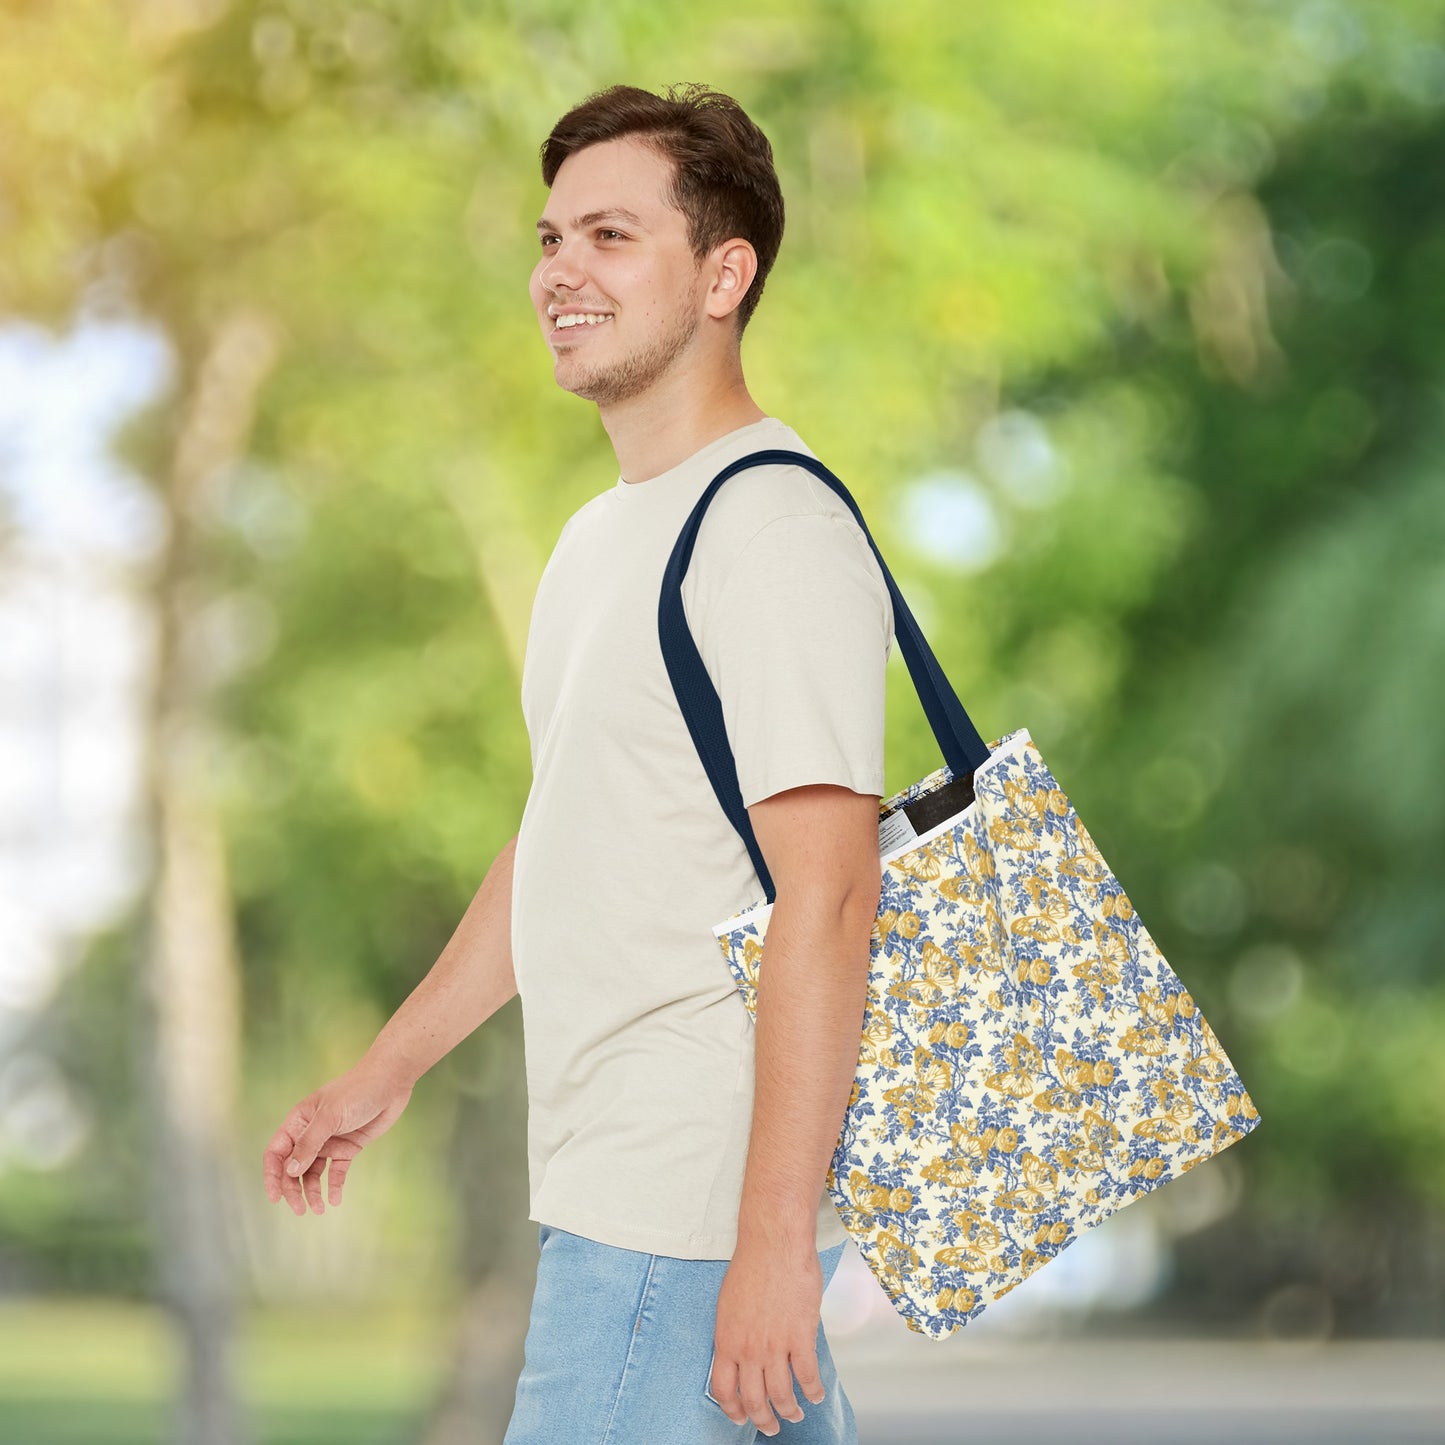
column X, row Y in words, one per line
column 1029, row 1062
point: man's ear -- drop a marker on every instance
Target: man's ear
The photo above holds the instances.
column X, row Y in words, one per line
column 735, row 264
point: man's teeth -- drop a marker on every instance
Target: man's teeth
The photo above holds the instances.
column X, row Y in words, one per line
column 580, row 319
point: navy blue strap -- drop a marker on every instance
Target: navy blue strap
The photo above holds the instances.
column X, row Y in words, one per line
column 958, row 740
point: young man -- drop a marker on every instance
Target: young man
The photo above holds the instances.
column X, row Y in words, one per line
column 677, row 1152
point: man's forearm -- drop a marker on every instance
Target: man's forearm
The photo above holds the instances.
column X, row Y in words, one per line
column 812, row 998
column 471, row 979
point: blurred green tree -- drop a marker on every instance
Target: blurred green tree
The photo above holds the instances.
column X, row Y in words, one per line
column 1144, row 289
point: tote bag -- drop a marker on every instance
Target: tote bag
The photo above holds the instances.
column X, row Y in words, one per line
column 1029, row 1062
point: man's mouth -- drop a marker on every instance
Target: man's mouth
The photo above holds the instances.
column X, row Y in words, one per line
column 580, row 322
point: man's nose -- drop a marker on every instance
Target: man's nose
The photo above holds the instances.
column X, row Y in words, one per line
column 560, row 268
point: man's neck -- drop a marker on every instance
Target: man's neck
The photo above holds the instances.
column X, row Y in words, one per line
column 651, row 434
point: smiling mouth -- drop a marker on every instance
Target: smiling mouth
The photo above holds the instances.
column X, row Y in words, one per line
column 573, row 330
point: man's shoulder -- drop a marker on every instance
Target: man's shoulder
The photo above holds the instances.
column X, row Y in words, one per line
column 590, row 510
column 768, row 492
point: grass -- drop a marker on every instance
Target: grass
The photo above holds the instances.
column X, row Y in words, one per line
column 81, row 1372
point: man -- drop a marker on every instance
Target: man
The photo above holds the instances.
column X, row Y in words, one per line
column 677, row 1151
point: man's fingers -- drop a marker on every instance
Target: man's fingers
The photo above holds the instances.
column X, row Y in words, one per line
column 779, row 1383
column 318, row 1129
column 805, row 1372
column 308, row 1144
column 280, row 1180
column 753, row 1389
column 311, row 1184
column 273, row 1161
column 336, row 1177
column 724, row 1387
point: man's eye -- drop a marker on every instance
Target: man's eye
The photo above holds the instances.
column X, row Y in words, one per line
column 602, row 231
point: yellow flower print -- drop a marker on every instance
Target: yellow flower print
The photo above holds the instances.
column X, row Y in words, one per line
column 965, row 1161
column 1019, row 799
column 1152, row 1036
column 1087, row 865
column 1040, row 1185
column 932, row 1076
column 1113, row 948
column 865, row 1199
column 1012, row 833
column 1035, row 970
column 1051, row 909
column 961, row 1299
column 877, row 1035
column 977, row 860
column 956, row 888
column 950, row 1172
column 936, row 981
column 1176, row 1109
column 1100, row 974
column 1067, row 1097
column 1150, row 1168
column 1220, row 1137
column 925, row 864
column 1240, row 1105
column 975, row 1250
column 1090, row 1145
column 1209, row 1063
column 752, row 957
column 954, row 1035
column 983, row 957
column 1025, row 1064
column 898, row 1259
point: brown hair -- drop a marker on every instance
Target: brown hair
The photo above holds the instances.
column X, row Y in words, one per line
column 723, row 176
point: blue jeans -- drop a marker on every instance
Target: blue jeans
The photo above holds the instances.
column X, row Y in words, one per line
column 619, row 1351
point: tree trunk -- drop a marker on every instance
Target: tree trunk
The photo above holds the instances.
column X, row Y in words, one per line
column 498, row 1252
column 192, row 984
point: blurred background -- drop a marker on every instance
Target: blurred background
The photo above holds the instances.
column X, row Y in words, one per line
column 1124, row 323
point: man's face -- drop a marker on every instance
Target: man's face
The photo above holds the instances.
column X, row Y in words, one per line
column 612, row 248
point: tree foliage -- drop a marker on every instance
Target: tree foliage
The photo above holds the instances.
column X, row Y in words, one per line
column 1150, row 289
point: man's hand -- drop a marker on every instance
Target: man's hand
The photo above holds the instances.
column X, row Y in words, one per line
column 333, row 1123
column 768, row 1309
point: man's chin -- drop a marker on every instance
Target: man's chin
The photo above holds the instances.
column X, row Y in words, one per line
column 589, row 386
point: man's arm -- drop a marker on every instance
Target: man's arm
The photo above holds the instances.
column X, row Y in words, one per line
column 821, row 847
column 471, row 979
column 467, row 984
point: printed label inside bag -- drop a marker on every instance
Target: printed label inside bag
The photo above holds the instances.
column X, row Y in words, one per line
column 923, row 814
column 946, row 802
column 894, row 831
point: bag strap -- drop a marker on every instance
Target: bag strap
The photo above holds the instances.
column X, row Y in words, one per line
column 958, row 740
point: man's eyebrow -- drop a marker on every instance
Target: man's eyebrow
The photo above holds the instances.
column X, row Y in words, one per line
column 592, row 217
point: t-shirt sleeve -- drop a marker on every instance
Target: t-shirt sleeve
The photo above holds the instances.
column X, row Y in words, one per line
column 796, row 641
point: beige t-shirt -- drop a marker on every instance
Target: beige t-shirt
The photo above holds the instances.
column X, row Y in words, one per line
column 639, row 1049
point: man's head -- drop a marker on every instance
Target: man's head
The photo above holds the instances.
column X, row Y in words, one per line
column 685, row 266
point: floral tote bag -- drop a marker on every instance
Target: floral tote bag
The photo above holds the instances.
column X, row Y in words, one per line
column 1029, row 1062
